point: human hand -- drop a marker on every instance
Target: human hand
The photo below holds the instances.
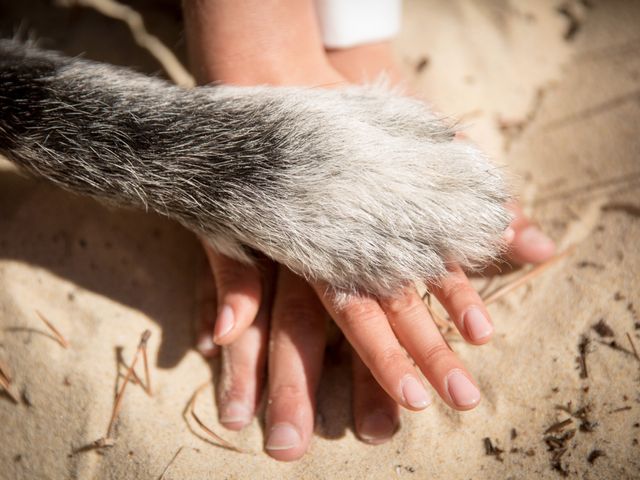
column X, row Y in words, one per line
column 378, row 329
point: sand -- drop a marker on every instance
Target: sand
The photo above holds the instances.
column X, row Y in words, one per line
column 561, row 113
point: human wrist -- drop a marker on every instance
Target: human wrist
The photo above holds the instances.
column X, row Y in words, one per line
column 253, row 41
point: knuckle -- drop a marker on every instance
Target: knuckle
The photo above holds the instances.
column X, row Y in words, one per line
column 358, row 313
column 456, row 289
column 435, row 353
column 388, row 358
column 287, row 391
column 403, row 303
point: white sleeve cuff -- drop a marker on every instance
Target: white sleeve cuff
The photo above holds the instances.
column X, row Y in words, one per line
column 348, row 23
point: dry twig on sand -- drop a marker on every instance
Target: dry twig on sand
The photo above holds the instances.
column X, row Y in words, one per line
column 112, row 9
column 56, row 333
column 633, row 347
column 189, row 411
column 502, row 291
column 173, row 459
column 5, row 383
column 117, row 405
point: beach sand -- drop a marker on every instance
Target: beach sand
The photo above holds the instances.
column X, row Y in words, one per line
column 553, row 96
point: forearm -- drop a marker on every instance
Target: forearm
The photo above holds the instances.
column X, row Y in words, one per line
column 245, row 42
column 107, row 131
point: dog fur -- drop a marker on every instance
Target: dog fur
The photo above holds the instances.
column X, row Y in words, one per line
column 358, row 187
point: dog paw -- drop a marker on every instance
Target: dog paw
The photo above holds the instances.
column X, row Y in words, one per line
column 370, row 192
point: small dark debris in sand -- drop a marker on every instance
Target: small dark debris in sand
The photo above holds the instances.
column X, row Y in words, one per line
column 602, row 329
column 26, row 397
column 636, row 425
column 588, row 426
column 17, row 458
column 618, row 296
column 595, row 454
column 628, row 208
column 82, row 242
column 406, row 468
column 71, row 297
column 615, row 346
column 573, row 22
column 492, row 450
column 97, row 445
column 66, row 382
column 557, row 445
column 555, row 389
column 633, row 346
column 558, row 426
column 514, row 434
column 634, row 441
column 421, row 64
column 621, row 409
column 587, row 263
column 583, row 349
column 582, row 414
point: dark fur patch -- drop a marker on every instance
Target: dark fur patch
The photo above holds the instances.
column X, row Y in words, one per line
column 24, row 90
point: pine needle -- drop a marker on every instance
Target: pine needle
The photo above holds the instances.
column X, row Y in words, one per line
column 56, row 333
column 190, row 410
column 502, row 291
column 128, row 375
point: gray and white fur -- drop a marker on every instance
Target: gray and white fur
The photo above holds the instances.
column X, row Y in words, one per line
column 359, row 187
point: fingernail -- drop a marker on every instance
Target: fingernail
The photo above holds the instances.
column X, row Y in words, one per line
column 225, row 322
column 235, row 412
column 477, row 325
column 508, row 235
column 205, row 344
column 376, row 427
column 283, row 437
column 534, row 237
column 414, row 393
column 462, row 391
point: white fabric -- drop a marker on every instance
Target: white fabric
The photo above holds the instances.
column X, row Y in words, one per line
column 348, row 23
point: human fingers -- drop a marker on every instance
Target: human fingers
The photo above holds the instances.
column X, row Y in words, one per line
column 417, row 332
column 464, row 306
column 530, row 244
column 239, row 292
column 366, row 327
column 296, row 351
column 375, row 414
column 206, row 313
column 242, row 369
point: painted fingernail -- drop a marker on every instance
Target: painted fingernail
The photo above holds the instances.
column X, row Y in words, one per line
column 283, row 437
column 462, row 391
column 508, row 235
column 477, row 325
column 235, row 412
column 414, row 393
column 534, row 237
column 376, row 428
column 205, row 344
column 224, row 322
